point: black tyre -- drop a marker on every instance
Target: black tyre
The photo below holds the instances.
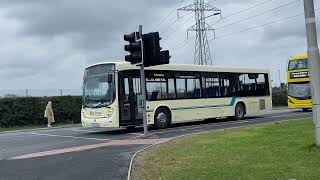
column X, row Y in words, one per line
column 305, row 109
column 162, row 118
column 239, row 112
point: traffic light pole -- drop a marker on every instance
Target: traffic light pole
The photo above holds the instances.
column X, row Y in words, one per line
column 143, row 86
column 314, row 63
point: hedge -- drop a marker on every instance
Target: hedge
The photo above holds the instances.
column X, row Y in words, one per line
column 23, row 111
column 279, row 98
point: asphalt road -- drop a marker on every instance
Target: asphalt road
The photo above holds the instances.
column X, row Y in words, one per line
column 85, row 153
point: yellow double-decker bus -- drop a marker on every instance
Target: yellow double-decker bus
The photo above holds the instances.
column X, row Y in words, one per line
column 299, row 90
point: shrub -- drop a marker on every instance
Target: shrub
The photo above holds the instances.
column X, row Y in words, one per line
column 22, row 111
column 279, row 97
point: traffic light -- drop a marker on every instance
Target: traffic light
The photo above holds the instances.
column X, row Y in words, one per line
column 134, row 48
column 151, row 47
column 164, row 57
column 153, row 54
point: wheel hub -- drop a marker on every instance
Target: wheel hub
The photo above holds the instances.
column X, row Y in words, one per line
column 162, row 118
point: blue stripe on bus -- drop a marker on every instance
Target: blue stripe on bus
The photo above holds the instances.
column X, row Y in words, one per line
column 232, row 103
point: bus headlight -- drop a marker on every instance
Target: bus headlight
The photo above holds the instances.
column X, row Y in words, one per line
column 289, row 101
column 110, row 112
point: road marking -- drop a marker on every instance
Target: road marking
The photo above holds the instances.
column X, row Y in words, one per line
column 88, row 147
column 134, row 140
column 74, row 137
column 84, row 130
column 136, row 134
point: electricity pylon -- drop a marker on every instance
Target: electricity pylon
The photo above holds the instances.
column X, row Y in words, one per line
column 202, row 55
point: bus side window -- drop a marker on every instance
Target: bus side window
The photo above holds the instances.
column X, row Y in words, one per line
column 157, row 88
column 212, row 87
column 181, row 88
column 261, row 86
column 193, row 88
column 225, row 87
column 171, row 89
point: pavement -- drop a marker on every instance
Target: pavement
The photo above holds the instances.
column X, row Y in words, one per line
column 96, row 153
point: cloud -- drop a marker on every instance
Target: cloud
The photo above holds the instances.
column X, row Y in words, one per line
column 48, row 43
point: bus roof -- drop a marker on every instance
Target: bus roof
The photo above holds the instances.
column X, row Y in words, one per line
column 186, row 67
column 303, row 56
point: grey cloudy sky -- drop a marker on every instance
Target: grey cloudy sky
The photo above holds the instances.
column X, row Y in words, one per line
column 46, row 44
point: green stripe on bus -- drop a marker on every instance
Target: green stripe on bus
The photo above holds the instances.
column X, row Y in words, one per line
column 232, row 103
column 233, row 100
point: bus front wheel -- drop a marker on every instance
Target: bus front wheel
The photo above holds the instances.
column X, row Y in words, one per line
column 240, row 111
column 161, row 118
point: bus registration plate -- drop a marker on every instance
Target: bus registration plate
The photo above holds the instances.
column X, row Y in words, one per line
column 95, row 125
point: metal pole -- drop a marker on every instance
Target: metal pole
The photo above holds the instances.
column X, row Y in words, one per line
column 314, row 63
column 279, row 80
column 143, row 87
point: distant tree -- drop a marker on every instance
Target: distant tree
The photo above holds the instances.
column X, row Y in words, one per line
column 10, row 95
column 284, row 86
column 279, row 97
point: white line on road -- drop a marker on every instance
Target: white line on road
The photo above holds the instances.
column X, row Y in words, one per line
column 136, row 134
column 74, row 137
column 85, row 130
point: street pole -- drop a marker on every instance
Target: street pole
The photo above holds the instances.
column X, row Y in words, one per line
column 143, row 86
column 314, row 63
column 279, row 79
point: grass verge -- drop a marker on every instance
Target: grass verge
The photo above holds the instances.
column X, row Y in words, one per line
column 274, row 151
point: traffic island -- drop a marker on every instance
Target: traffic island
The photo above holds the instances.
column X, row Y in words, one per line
column 283, row 150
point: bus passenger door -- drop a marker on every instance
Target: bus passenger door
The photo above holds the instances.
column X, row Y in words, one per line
column 136, row 94
column 129, row 92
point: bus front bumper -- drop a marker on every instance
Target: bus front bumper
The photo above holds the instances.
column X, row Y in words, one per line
column 98, row 122
column 299, row 104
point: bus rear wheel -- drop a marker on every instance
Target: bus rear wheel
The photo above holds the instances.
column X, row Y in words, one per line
column 305, row 110
column 239, row 111
column 162, row 118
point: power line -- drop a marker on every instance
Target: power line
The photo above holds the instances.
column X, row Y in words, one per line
column 211, row 1
column 183, row 43
column 164, row 19
column 186, row 42
column 177, row 20
column 259, row 14
column 202, row 53
column 236, row 13
column 244, row 10
column 259, row 26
